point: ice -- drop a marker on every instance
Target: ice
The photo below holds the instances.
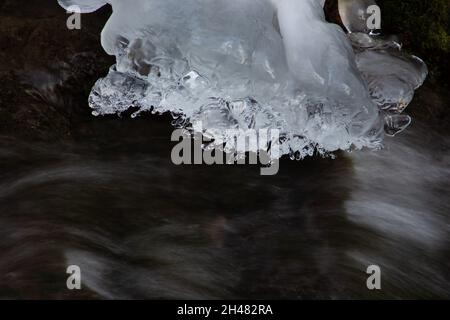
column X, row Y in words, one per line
column 391, row 75
column 354, row 14
column 86, row 6
column 256, row 64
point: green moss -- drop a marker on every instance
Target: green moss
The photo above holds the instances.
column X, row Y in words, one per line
column 424, row 26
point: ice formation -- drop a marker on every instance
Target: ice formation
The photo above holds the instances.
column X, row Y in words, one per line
column 257, row 64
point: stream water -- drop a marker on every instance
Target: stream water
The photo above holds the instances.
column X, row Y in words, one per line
column 111, row 201
column 140, row 227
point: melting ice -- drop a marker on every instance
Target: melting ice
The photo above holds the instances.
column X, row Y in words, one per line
column 257, row 64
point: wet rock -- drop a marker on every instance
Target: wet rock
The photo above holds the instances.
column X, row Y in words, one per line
column 46, row 80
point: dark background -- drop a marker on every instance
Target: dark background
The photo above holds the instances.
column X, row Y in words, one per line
column 102, row 193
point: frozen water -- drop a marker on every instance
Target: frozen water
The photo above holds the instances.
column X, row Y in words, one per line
column 354, row 14
column 86, row 6
column 256, row 64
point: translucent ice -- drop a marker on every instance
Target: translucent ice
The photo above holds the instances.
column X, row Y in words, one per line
column 255, row 64
column 354, row 14
column 86, row 6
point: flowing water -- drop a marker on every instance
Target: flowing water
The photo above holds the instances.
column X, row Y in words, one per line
column 141, row 227
column 110, row 201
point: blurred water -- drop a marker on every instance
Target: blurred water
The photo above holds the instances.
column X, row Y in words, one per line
column 140, row 227
column 112, row 202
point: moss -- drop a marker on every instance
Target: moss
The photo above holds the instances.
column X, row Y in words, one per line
column 424, row 26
